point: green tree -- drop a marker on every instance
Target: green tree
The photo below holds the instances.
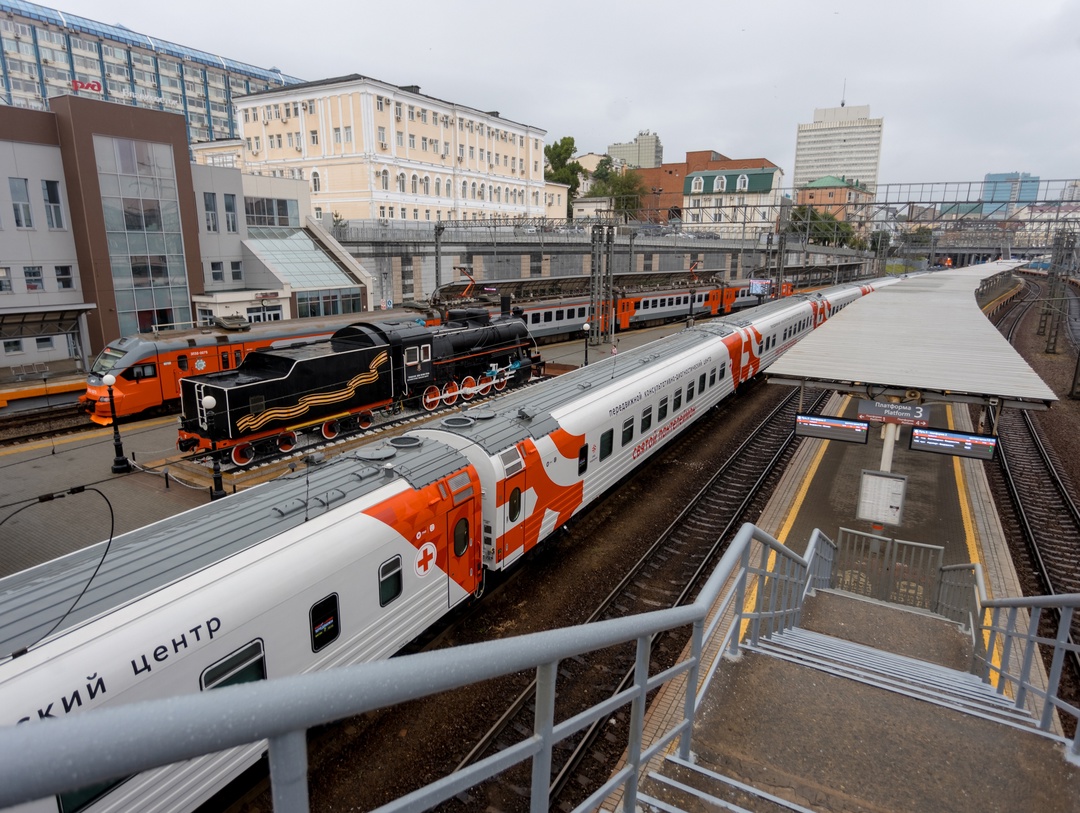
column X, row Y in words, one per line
column 821, row 228
column 605, row 168
column 562, row 168
column 626, row 190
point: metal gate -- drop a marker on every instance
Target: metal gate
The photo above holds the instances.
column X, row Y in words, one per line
column 887, row 569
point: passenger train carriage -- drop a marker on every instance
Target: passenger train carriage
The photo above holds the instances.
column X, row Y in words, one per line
column 349, row 560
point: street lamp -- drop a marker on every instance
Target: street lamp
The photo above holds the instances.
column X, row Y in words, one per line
column 120, row 463
column 585, row 327
column 218, row 490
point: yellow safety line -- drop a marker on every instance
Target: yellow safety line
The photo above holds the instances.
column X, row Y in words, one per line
column 971, row 541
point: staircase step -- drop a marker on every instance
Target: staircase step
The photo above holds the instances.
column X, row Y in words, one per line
column 898, row 673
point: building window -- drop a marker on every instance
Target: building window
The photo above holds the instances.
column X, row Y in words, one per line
column 20, row 202
column 318, row 213
column 5, row 280
column 697, row 185
column 415, row 182
column 316, row 182
column 401, row 182
column 64, row 280
column 438, row 187
column 397, row 110
column 217, row 271
column 231, row 221
column 54, row 215
column 385, row 176
column 337, row 135
column 743, row 184
column 719, row 183
column 412, row 141
column 237, row 270
column 379, row 103
column 35, row 280
column 210, row 204
column 12, row 346
column 348, row 135
column 314, row 138
column 382, row 135
column 400, row 138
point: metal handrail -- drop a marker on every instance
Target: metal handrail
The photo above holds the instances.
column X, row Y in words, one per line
column 113, row 742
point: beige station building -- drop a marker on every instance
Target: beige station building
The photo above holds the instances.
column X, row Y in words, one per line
column 372, row 150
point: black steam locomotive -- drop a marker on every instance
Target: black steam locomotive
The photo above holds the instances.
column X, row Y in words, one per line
column 344, row 383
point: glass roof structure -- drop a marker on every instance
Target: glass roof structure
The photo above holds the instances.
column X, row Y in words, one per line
column 121, row 34
column 297, row 258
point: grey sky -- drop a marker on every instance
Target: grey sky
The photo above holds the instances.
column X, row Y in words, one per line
column 965, row 87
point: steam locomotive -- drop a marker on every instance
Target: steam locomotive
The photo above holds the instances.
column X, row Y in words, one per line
column 342, row 384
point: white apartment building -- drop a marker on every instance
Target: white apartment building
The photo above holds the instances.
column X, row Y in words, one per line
column 841, row 141
column 369, row 149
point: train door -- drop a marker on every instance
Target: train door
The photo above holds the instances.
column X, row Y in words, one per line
column 463, row 552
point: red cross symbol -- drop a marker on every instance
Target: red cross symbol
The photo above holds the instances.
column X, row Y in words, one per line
column 425, row 559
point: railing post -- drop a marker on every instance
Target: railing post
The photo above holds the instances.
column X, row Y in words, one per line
column 740, row 598
column 637, row 724
column 288, row 772
column 1057, row 662
column 542, row 729
column 690, row 698
column 1030, row 649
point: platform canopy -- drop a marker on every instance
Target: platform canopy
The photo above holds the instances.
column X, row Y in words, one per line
column 923, row 339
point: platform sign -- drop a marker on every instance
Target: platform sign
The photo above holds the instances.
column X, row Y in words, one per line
column 831, row 428
column 760, row 287
column 961, row 444
column 906, row 414
column 881, row 497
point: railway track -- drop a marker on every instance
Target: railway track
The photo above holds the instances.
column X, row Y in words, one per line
column 37, row 424
column 667, row 575
column 1037, row 504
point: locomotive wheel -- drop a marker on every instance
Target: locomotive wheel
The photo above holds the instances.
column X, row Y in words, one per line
column 286, row 441
column 364, row 420
column 450, row 392
column 484, row 387
column 432, row 398
column 242, row 454
column 330, row 430
column 468, row 388
column 501, row 380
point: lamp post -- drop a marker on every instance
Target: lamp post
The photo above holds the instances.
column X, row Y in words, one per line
column 120, row 464
column 585, row 327
column 217, row 491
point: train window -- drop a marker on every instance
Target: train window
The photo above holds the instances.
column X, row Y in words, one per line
column 238, row 356
column 245, row 665
column 389, row 580
column 425, row 353
column 461, row 537
column 690, row 392
column 513, row 510
column 224, row 359
column 547, row 316
column 661, row 411
column 645, row 304
column 558, row 316
column 607, row 443
column 646, row 419
column 536, row 318
column 412, row 356
column 583, row 459
column 720, row 370
column 581, row 313
column 676, row 399
column 325, row 626
column 257, row 404
column 182, row 362
column 627, row 431
column 712, row 378
column 137, row 371
column 701, row 383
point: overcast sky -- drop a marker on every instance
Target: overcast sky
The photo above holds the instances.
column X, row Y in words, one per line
column 965, row 87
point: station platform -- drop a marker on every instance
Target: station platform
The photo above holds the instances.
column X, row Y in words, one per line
column 820, row 741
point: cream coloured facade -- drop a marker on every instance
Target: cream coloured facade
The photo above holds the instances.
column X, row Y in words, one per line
column 372, row 150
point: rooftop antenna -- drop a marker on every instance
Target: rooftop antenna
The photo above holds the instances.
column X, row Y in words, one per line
column 844, row 94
